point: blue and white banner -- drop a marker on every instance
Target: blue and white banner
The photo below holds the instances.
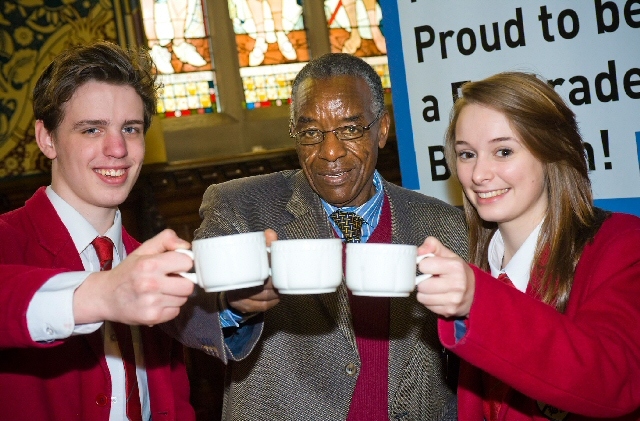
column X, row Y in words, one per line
column 590, row 50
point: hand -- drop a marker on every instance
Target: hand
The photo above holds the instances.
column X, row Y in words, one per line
column 256, row 299
column 142, row 289
column 449, row 292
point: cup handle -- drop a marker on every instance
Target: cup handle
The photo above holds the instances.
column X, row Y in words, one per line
column 190, row 276
column 424, row 276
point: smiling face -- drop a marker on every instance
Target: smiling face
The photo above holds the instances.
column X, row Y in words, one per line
column 341, row 172
column 98, row 148
column 500, row 177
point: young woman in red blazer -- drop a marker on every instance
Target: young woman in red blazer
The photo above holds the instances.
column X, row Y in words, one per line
column 545, row 318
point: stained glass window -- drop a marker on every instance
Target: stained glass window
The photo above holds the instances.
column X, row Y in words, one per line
column 179, row 46
column 272, row 48
column 356, row 27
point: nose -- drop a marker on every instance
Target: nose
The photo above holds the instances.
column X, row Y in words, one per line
column 332, row 148
column 482, row 171
column 115, row 145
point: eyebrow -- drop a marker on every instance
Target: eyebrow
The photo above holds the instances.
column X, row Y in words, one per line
column 130, row 122
column 497, row 139
column 304, row 120
column 85, row 123
column 503, row 139
column 350, row 119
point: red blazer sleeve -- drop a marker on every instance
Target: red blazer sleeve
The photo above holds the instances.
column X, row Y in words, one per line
column 23, row 262
column 14, row 332
column 585, row 361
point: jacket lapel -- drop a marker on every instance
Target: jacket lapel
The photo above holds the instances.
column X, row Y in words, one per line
column 51, row 233
column 310, row 221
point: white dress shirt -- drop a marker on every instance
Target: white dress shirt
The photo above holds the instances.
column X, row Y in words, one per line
column 519, row 267
column 50, row 312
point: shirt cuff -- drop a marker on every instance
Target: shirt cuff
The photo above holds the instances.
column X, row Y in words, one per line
column 459, row 329
column 50, row 312
column 228, row 317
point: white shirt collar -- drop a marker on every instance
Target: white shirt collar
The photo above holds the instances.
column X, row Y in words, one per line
column 81, row 231
column 519, row 268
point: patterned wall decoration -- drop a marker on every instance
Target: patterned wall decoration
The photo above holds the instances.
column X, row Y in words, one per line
column 32, row 32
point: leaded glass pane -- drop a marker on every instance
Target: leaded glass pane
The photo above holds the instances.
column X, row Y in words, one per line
column 272, row 48
column 179, row 44
column 356, row 27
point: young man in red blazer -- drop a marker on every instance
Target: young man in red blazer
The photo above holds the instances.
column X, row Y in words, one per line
column 59, row 355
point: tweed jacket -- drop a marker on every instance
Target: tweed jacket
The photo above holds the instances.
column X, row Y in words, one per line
column 297, row 371
column 67, row 379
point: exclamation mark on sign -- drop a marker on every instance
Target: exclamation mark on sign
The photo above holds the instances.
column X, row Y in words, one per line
column 604, row 135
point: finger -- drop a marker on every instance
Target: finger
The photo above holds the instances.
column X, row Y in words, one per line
column 270, row 235
column 253, row 306
column 438, row 285
column 157, row 316
column 161, row 265
column 164, row 241
column 448, row 304
column 238, row 295
column 269, row 284
column 439, row 305
column 453, row 268
column 176, row 286
column 433, row 245
column 271, row 303
column 265, row 295
column 434, row 265
column 181, row 261
column 429, row 245
column 432, row 300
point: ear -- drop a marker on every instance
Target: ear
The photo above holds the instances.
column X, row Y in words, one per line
column 44, row 139
column 383, row 133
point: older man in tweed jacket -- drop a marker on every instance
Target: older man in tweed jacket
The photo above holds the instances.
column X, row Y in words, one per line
column 333, row 356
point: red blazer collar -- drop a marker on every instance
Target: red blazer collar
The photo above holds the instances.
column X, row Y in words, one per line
column 53, row 235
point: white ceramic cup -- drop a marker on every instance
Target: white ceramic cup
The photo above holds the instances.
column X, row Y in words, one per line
column 306, row 266
column 383, row 270
column 229, row 262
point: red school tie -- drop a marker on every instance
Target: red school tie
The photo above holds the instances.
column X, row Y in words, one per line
column 495, row 391
column 104, row 250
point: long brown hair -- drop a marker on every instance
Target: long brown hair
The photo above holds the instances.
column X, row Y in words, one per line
column 548, row 129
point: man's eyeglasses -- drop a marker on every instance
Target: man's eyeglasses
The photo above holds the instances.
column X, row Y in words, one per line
column 348, row 133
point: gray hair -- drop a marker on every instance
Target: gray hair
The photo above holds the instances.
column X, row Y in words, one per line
column 341, row 64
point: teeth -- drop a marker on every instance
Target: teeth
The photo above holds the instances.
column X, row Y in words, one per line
column 111, row 172
column 492, row 193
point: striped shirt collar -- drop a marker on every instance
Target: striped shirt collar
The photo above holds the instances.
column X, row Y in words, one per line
column 369, row 211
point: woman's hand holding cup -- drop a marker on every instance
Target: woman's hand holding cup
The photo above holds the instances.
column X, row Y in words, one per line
column 449, row 291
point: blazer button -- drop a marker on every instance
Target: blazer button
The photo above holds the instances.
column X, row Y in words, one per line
column 211, row 350
column 101, row 399
column 351, row 369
